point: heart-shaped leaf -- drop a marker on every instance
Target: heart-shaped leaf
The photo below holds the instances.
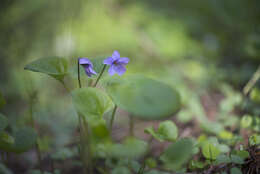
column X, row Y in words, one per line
column 3, row 122
column 177, row 153
column 91, row 102
column 167, row 131
column 53, row 66
column 143, row 97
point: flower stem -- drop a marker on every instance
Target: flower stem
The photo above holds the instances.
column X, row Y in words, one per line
column 113, row 117
column 101, row 73
column 38, row 151
column 79, row 74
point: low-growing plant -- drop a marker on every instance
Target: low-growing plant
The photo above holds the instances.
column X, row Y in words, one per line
column 142, row 98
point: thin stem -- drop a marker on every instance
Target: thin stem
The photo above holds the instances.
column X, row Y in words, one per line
column 141, row 170
column 87, row 148
column 101, row 73
column 252, row 81
column 79, row 75
column 38, row 151
column 113, row 117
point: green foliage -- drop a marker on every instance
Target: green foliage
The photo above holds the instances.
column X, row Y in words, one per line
column 255, row 95
column 4, row 169
column 155, row 172
column 167, row 131
column 25, row 138
column 121, row 170
column 246, row 121
column 210, row 151
column 53, row 66
column 177, row 153
column 130, row 148
column 64, row 153
column 6, row 141
column 197, row 164
column 254, row 139
column 91, row 102
column 2, row 100
column 143, row 97
column 235, row 170
column 3, row 122
column 22, row 140
column 100, row 131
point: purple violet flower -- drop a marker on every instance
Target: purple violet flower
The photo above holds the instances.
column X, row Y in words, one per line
column 117, row 64
column 88, row 66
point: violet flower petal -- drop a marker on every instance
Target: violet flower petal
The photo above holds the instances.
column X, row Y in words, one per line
column 116, row 55
column 123, row 60
column 111, row 70
column 119, row 69
column 109, row 61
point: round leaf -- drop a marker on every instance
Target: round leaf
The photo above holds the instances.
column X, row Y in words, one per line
column 91, row 102
column 145, row 98
column 178, row 153
column 168, row 130
column 246, row 121
column 3, row 122
column 53, row 66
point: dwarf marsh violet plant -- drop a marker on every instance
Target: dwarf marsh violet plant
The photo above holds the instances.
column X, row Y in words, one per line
column 117, row 64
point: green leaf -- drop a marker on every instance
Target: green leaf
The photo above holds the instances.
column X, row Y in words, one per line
column 235, row 170
column 225, row 135
column 155, row 172
column 130, row 148
column 210, row 151
column 25, row 138
column 4, row 169
column 223, row 159
column 53, row 66
column 168, row 130
column 242, row 154
column 121, row 170
column 3, row 122
column 246, row 121
column 255, row 95
column 197, row 164
column 100, row 131
column 236, row 159
column 2, row 100
column 91, row 102
column 6, row 141
column 143, row 97
column 177, row 153
column 254, row 139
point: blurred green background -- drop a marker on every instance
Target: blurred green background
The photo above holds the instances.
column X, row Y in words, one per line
column 196, row 46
